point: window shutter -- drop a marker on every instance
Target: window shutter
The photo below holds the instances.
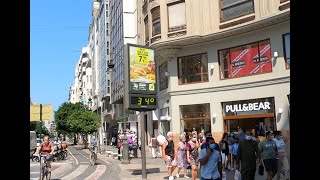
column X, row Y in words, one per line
column 177, row 15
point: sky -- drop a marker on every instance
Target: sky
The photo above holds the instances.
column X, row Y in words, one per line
column 59, row 30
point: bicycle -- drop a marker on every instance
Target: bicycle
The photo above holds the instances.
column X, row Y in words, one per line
column 93, row 156
column 44, row 168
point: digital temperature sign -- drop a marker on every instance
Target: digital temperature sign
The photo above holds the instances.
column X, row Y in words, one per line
column 141, row 101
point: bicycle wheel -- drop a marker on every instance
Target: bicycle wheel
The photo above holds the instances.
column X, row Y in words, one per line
column 92, row 159
column 48, row 176
column 44, row 172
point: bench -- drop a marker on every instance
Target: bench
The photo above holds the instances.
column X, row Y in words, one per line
column 108, row 153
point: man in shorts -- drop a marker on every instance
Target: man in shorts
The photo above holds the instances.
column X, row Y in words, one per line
column 168, row 154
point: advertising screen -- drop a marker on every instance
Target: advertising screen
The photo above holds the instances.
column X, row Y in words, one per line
column 142, row 73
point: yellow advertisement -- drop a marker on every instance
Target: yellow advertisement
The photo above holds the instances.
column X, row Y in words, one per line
column 47, row 112
column 142, row 66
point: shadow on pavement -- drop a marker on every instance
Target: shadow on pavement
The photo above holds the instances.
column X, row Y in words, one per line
column 149, row 171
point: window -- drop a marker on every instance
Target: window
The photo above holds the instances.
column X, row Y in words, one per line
column 87, row 78
column 231, row 9
column 91, row 92
column 163, row 78
column 177, row 16
column 87, row 91
column 146, row 29
column 107, row 32
column 107, row 25
column 72, row 92
column 193, row 68
column 195, row 116
column 90, row 78
column 156, row 25
column 286, row 46
column 245, row 60
column 84, row 84
column 107, row 51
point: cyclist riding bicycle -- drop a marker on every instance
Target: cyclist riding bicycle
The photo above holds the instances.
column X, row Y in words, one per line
column 47, row 148
column 94, row 143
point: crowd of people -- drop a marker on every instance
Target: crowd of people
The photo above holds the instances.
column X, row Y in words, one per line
column 240, row 151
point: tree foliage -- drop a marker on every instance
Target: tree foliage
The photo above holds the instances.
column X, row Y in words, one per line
column 61, row 115
column 35, row 126
column 84, row 122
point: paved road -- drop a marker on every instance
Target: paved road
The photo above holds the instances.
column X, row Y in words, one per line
column 77, row 166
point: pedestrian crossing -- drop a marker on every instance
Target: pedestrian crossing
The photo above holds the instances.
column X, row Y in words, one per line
column 83, row 171
column 76, row 172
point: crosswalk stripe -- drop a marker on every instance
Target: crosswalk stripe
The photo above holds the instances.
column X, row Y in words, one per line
column 76, row 172
column 97, row 173
column 34, row 172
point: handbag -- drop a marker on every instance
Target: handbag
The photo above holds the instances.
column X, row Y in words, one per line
column 237, row 175
column 261, row 170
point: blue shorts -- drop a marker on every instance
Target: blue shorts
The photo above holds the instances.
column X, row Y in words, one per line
column 271, row 164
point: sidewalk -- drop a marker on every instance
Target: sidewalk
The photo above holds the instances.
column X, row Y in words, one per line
column 156, row 168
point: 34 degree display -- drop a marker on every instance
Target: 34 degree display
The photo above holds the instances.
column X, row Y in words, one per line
column 143, row 101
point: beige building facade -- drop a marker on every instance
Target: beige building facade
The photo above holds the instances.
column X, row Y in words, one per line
column 222, row 65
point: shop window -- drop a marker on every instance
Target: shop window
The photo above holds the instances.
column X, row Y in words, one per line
column 250, row 59
column 255, row 114
column 195, row 116
column 286, row 47
column 156, row 25
column 193, row 69
column 163, row 68
column 231, row 9
column 177, row 16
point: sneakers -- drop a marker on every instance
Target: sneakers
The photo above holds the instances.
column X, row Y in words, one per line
column 171, row 178
column 186, row 177
column 232, row 168
column 177, row 175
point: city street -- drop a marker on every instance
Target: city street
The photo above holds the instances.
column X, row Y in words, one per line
column 77, row 167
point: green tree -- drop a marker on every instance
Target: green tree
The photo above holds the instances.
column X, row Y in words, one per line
column 61, row 116
column 35, row 126
column 83, row 122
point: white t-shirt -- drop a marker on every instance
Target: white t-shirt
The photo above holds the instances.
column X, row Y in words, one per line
column 280, row 144
column 161, row 139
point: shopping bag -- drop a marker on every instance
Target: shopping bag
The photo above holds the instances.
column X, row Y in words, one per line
column 261, row 170
column 237, row 175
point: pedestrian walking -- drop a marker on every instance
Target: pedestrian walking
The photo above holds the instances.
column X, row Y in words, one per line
column 248, row 157
column 181, row 156
column 208, row 159
column 161, row 139
column 153, row 144
column 168, row 154
column 224, row 145
column 283, row 164
column 234, row 149
column 192, row 155
column 269, row 153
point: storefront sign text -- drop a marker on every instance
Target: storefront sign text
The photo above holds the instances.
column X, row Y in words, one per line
column 248, row 107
